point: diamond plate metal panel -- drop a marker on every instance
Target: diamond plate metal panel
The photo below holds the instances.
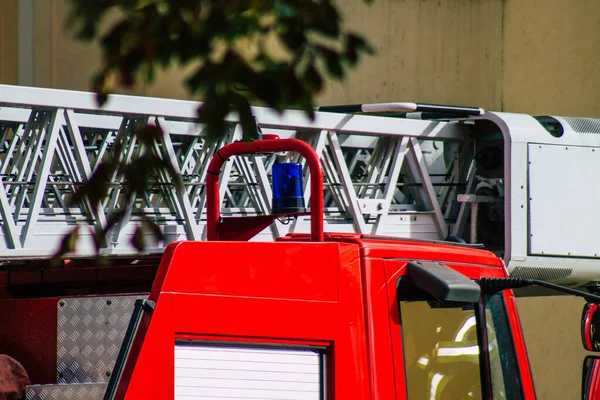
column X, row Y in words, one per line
column 84, row 391
column 90, row 332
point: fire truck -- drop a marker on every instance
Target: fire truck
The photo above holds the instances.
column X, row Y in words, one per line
column 373, row 252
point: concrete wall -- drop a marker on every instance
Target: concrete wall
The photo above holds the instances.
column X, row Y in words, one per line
column 551, row 326
column 419, row 58
column 532, row 56
column 447, row 52
column 62, row 62
column 551, row 57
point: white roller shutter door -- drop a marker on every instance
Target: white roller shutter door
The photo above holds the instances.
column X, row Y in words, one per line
column 207, row 372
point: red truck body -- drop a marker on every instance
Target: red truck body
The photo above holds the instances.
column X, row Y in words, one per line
column 339, row 296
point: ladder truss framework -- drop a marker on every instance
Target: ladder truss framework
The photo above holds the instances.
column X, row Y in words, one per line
column 387, row 176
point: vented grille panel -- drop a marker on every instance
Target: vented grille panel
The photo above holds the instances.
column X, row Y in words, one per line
column 216, row 372
column 583, row 125
column 541, row 273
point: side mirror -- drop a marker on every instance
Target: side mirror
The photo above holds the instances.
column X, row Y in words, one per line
column 590, row 388
column 590, row 327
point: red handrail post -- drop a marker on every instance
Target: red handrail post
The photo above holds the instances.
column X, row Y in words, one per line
column 213, row 204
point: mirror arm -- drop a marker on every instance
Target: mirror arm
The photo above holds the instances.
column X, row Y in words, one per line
column 493, row 285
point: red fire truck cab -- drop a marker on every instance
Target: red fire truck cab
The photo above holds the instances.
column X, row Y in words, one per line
column 347, row 318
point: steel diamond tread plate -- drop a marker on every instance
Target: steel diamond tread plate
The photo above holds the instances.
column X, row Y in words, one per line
column 84, row 391
column 90, row 332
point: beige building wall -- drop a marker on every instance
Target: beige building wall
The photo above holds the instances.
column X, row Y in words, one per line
column 532, row 56
column 8, row 41
column 551, row 326
column 60, row 60
column 461, row 65
column 551, row 57
column 447, row 52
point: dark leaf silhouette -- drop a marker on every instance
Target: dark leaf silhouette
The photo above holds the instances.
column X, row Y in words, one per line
column 276, row 53
column 68, row 243
column 137, row 240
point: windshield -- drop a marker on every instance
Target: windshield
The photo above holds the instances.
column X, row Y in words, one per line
column 442, row 351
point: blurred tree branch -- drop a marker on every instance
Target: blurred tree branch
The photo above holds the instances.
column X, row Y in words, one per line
column 279, row 52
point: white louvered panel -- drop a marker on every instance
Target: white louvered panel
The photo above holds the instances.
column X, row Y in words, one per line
column 206, row 372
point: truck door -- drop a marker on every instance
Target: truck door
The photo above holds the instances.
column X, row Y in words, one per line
column 436, row 349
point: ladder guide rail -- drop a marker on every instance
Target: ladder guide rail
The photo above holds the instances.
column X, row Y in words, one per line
column 382, row 175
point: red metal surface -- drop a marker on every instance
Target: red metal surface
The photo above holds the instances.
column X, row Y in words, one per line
column 38, row 279
column 245, row 228
column 519, row 341
column 339, row 294
column 213, row 204
column 264, row 292
column 243, row 339
column 28, row 334
column 589, row 310
column 410, row 250
column 594, row 386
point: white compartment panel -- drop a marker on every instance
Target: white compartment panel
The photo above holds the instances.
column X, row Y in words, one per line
column 205, row 372
column 564, row 205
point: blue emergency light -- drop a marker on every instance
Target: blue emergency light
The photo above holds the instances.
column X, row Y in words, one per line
column 287, row 188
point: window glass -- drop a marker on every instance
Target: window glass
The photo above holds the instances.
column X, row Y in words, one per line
column 442, row 353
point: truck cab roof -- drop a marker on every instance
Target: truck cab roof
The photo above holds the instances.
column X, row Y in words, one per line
column 373, row 246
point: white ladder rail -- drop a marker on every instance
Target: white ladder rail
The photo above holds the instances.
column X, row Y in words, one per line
column 80, row 134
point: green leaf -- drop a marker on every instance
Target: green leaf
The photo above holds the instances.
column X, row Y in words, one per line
column 312, row 79
column 96, row 188
column 100, row 234
column 154, row 228
column 327, row 20
column 213, row 112
column 149, row 134
column 247, row 120
column 68, row 243
column 150, row 35
column 285, row 10
column 356, row 44
column 332, row 62
column 137, row 240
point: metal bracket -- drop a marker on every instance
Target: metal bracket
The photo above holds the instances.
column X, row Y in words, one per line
column 474, row 200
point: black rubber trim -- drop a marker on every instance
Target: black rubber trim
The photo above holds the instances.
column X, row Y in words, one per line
column 349, row 108
column 485, row 369
column 455, row 110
